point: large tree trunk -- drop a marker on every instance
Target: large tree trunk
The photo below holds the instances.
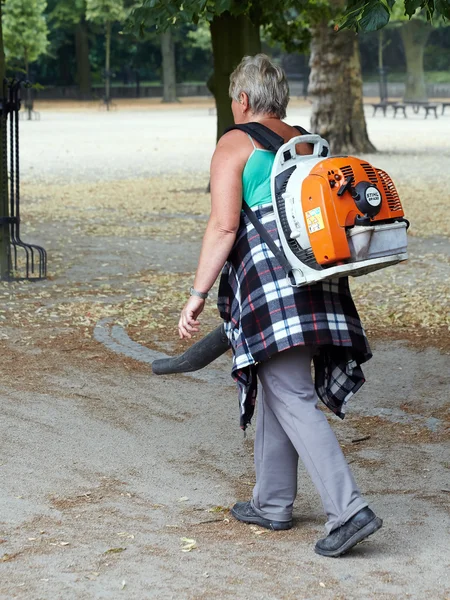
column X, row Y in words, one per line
column 414, row 34
column 232, row 38
column 168, row 67
column 5, row 262
column 335, row 87
column 82, row 58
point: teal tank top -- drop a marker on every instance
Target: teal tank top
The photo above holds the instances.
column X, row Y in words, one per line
column 256, row 177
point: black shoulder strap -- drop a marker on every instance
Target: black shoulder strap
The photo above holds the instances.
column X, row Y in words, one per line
column 264, row 234
column 265, row 136
column 270, row 141
column 262, row 134
column 302, row 130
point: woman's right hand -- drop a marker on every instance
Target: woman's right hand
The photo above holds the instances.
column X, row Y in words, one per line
column 188, row 324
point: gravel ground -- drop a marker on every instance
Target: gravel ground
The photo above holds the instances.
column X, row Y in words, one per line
column 99, row 146
column 105, row 468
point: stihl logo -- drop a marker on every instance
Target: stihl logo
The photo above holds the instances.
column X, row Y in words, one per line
column 373, row 196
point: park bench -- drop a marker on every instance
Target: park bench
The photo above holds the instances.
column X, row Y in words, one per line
column 399, row 107
column 430, row 108
column 427, row 106
column 416, row 104
column 383, row 106
column 444, row 106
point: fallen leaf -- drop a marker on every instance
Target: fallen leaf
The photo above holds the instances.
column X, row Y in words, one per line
column 257, row 530
column 217, row 509
column 188, row 544
column 114, row 550
column 7, row 557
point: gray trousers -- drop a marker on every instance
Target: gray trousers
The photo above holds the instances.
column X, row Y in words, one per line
column 289, row 425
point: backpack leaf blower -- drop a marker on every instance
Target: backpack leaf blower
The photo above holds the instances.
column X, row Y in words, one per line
column 336, row 215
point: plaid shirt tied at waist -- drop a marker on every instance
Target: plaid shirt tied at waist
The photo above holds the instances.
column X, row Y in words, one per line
column 264, row 314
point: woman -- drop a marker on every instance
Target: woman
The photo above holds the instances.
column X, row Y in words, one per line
column 275, row 330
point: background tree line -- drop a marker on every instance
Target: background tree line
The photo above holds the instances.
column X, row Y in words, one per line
column 71, row 48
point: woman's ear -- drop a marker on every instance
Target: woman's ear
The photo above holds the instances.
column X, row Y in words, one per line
column 243, row 100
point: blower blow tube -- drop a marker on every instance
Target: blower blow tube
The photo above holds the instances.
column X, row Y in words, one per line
column 198, row 356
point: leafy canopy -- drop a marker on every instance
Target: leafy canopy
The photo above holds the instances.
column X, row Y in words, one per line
column 67, row 12
column 105, row 11
column 166, row 13
column 24, row 30
column 286, row 21
column 360, row 15
column 370, row 15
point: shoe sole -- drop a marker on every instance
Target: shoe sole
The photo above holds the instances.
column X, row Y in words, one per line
column 357, row 537
column 262, row 522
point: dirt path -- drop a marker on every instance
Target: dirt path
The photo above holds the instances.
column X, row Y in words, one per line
column 105, row 467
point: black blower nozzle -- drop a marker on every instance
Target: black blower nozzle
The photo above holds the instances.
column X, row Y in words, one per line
column 198, row 356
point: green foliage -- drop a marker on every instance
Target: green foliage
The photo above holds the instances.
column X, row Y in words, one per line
column 374, row 19
column 200, row 37
column 166, row 13
column 292, row 27
column 370, row 15
column 105, row 11
column 437, row 55
column 284, row 21
column 67, row 12
column 24, row 30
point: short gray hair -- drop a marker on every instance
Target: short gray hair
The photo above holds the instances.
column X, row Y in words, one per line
column 264, row 83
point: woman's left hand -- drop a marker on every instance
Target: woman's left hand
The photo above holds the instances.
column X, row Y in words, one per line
column 188, row 323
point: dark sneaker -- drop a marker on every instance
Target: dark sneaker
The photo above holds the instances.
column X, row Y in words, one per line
column 243, row 511
column 356, row 529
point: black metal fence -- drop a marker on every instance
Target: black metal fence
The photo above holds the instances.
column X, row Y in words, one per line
column 26, row 261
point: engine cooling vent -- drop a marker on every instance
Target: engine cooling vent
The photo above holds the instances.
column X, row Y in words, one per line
column 370, row 172
column 307, row 255
column 348, row 172
column 390, row 191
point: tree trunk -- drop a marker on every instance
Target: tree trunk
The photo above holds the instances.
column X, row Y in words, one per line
column 5, row 257
column 82, row 58
column 414, row 34
column 335, row 88
column 232, row 38
column 107, row 65
column 29, row 91
column 382, row 72
column 168, row 67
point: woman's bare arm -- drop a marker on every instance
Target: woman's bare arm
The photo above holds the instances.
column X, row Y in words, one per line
column 226, row 202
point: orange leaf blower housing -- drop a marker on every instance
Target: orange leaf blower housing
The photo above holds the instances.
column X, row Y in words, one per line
column 340, row 211
column 336, row 215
